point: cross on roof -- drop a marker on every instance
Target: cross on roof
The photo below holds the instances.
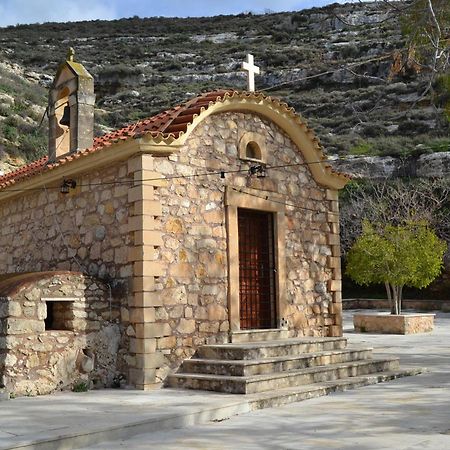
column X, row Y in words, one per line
column 251, row 69
column 70, row 54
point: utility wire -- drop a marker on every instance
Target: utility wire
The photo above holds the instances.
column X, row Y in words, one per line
column 328, row 72
column 174, row 177
column 292, row 205
column 221, row 173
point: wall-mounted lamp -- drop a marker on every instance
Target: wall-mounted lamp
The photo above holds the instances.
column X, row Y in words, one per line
column 259, row 171
column 67, row 185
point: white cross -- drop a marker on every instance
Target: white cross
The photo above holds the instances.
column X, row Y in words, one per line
column 250, row 67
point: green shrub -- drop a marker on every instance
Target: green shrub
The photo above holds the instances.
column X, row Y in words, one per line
column 10, row 132
column 364, row 148
column 80, row 386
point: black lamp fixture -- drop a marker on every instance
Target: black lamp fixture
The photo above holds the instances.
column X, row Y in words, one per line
column 67, row 185
column 259, row 171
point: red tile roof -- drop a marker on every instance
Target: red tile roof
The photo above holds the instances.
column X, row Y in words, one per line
column 167, row 124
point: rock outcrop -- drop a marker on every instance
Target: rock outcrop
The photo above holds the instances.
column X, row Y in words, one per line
column 373, row 167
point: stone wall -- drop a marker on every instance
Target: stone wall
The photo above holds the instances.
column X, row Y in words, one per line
column 167, row 242
column 193, row 222
column 407, row 304
column 85, row 230
column 38, row 359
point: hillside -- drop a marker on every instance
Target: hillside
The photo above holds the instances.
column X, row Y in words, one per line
column 142, row 66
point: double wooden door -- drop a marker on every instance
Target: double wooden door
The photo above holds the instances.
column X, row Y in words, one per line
column 257, row 294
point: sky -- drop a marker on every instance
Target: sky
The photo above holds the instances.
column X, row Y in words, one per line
column 13, row 12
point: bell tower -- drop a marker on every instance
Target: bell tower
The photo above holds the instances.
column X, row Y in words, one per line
column 70, row 109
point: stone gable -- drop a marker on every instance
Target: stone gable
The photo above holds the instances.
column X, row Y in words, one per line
column 195, row 288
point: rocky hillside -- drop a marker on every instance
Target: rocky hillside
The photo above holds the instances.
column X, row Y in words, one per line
column 336, row 65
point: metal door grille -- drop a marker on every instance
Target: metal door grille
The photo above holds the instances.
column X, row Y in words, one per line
column 256, row 269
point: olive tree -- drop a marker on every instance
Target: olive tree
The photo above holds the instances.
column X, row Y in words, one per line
column 397, row 255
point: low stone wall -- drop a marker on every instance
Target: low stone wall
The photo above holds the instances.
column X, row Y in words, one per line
column 59, row 328
column 417, row 305
column 393, row 324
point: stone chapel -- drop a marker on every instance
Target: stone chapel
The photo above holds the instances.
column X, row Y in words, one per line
column 122, row 255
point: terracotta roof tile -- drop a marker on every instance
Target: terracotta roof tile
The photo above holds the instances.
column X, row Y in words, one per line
column 165, row 124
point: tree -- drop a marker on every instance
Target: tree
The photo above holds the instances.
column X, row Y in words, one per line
column 397, row 255
column 396, row 202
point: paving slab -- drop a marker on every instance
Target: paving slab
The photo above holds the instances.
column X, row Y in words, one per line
column 412, row 411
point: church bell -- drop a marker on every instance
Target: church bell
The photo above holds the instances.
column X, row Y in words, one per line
column 65, row 119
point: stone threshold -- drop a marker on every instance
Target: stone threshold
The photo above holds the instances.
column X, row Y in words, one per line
column 259, row 335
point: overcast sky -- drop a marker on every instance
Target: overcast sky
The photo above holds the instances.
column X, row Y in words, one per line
column 13, row 12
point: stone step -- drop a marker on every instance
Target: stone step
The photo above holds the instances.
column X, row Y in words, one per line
column 299, row 393
column 248, row 367
column 270, row 349
column 258, row 335
column 273, row 381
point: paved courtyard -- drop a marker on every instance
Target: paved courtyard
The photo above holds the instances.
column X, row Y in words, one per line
column 408, row 413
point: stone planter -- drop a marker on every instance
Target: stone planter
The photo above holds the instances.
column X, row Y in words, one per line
column 392, row 324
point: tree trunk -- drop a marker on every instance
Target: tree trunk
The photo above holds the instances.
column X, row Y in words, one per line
column 396, row 304
column 400, row 298
column 389, row 296
column 394, row 290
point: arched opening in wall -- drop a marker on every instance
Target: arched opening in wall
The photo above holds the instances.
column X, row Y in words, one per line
column 253, row 151
column 62, row 115
column 252, row 147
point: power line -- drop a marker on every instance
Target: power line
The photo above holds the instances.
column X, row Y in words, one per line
column 292, row 205
column 221, row 173
column 329, row 72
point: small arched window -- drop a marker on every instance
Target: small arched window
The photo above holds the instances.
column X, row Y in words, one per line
column 252, row 147
column 252, row 151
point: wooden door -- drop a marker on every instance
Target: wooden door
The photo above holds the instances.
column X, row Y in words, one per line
column 257, row 303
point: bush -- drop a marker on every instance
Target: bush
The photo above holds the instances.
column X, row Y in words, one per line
column 33, row 145
column 80, row 386
column 364, row 148
column 10, row 132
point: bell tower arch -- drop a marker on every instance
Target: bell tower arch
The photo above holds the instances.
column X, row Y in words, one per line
column 70, row 109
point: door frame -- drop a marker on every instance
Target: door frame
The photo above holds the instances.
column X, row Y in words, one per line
column 256, row 200
column 257, row 297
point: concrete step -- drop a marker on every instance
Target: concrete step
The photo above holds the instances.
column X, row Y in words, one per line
column 248, row 367
column 258, row 335
column 279, row 380
column 270, row 349
column 288, row 395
